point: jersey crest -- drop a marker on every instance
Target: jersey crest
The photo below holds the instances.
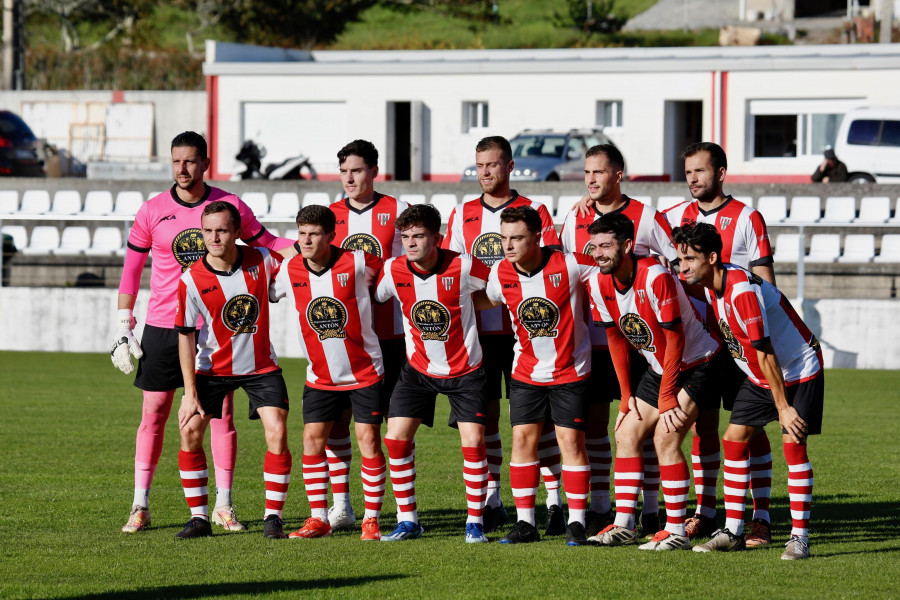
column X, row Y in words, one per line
column 724, row 222
column 540, row 317
column 327, row 317
column 555, row 278
column 448, row 283
column 363, row 241
column 240, row 314
column 733, row 345
column 383, row 218
column 432, row 319
column 637, row 331
column 488, row 248
column 188, row 247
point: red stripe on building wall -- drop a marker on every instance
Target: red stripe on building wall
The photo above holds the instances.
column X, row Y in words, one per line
column 118, row 96
column 212, row 125
column 724, row 110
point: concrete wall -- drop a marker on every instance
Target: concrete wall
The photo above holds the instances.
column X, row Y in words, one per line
column 862, row 334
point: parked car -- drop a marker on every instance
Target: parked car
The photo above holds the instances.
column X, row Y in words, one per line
column 868, row 142
column 20, row 151
column 547, row 155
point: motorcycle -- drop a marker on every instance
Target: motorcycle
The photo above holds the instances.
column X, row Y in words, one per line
column 251, row 155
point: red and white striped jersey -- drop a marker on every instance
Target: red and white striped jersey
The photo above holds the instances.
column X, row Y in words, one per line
column 652, row 233
column 547, row 312
column 373, row 230
column 474, row 227
column 750, row 311
column 652, row 302
column 438, row 313
column 334, row 318
column 745, row 239
column 234, row 337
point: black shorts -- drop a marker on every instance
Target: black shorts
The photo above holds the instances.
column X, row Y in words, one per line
column 416, row 393
column 393, row 354
column 498, row 358
column 566, row 403
column 701, row 383
column 603, row 385
column 267, row 389
column 731, row 378
column 323, row 406
column 159, row 369
column 755, row 406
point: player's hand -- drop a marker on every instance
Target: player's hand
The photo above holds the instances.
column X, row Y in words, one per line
column 190, row 406
column 791, row 422
column 632, row 407
column 124, row 343
column 583, row 206
column 673, row 419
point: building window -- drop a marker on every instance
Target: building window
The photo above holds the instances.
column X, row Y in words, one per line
column 609, row 113
column 475, row 115
column 794, row 128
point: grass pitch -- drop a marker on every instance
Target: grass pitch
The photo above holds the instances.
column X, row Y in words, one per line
column 67, row 427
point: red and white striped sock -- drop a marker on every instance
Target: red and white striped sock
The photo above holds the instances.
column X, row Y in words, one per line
column 494, row 460
column 551, row 463
column 800, row 487
column 403, row 477
column 650, row 502
column 340, row 455
column 194, row 480
column 628, row 477
column 760, row 475
column 737, row 480
column 676, row 482
column 523, row 481
column 374, row 473
column 475, row 475
column 577, row 481
column 599, row 454
column 315, row 480
column 277, row 477
column 707, row 460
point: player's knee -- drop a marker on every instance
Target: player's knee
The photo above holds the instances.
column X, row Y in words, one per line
column 368, row 437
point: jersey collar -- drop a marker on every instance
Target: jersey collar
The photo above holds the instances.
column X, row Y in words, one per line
column 618, row 210
column 368, row 207
column 434, row 270
column 546, row 253
column 514, row 195
column 335, row 252
column 237, row 264
column 716, row 209
column 178, row 200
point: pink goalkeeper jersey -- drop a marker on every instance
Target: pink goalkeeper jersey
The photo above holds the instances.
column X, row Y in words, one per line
column 168, row 229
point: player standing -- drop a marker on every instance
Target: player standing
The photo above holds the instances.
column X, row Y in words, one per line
column 229, row 289
column 331, row 289
column 364, row 220
column 642, row 306
column 474, row 227
column 745, row 243
column 434, row 288
column 544, row 292
column 168, row 225
column 785, row 380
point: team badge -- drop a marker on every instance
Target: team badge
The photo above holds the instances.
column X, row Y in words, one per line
column 188, row 247
column 363, row 241
column 240, row 314
column 637, row 331
column 555, row 278
column 343, row 278
column 734, row 346
column 641, row 294
column 253, row 272
column 383, row 218
column 539, row 317
column 448, row 283
column 488, row 249
column 327, row 317
column 588, row 249
column 432, row 319
column 724, row 222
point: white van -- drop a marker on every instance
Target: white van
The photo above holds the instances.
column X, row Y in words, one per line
column 868, row 142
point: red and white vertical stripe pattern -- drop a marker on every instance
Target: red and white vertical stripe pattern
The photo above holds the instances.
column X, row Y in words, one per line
column 761, row 475
column 629, row 476
column 737, row 480
column 599, row 454
column 475, row 477
column 403, row 478
column 277, row 477
column 374, row 473
column 194, row 480
column 576, row 479
column 523, row 482
column 706, row 460
column 676, row 481
column 315, row 480
column 800, row 487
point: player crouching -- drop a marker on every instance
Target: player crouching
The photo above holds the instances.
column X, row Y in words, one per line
column 229, row 288
column 639, row 302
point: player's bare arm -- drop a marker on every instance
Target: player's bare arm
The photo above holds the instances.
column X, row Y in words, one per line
column 190, row 404
column 481, row 301
column 675, row 418
column 767, row 272
column 787, row 414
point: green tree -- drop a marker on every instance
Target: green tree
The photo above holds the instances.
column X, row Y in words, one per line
column 591, row 16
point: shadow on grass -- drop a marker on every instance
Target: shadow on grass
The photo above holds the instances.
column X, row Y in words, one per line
column 231, row 589
column 452, row 523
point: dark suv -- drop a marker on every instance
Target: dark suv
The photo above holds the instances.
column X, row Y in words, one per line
column 20, row 151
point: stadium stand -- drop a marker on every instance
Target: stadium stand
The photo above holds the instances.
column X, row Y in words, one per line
column 285, row 205
column 824, row 247
column 97, row 203
column 839, row 209
column 44, row 240
column 35, row 202
column 805, row 209
column 74, row 241
column 874, row 210
column 858, row 248
column 772, row 208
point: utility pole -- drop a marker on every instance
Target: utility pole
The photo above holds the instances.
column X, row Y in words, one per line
column 887, row 21
column 7, row 44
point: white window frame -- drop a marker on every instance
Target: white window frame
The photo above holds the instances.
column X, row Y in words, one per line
column 617, row 113
column 804, row 109
column 475, row 115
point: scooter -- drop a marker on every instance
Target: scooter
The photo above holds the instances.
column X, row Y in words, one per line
column 250, row 167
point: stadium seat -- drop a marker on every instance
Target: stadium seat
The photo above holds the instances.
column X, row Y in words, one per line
column 874, row 210
column 35, row 202
column 805, row 209
column 321, row 198
column 285, row 205
column 839, row 209
column 276, row 233
column 748, row 200
column 339, row 196
column 648, row 200
column 97, row 202
column 127, row 203
column 787, row 248
column 858, row 248
column 824, row 248
column 895, row 219
column 412, row 198
column 258, row 203
column 664, row 203
column 772, row 208
column 107, row 240
column 18, row 233
column 444, row 203
column 890, row 249
column 66, row 202
column 152, row 195
column 74, row 241
column 564, row 205
column 468, row 197
column 9, row 202
column 545, row 199
column 44, row 240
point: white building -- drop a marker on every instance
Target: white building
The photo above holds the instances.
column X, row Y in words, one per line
column 773, row 108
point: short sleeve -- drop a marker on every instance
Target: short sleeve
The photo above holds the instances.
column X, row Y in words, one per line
column 384, row 286
column 493, row 288
column 548, row 229
column 479, row 274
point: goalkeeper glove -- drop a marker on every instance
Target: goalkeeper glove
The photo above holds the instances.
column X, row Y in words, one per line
column 124, row 344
